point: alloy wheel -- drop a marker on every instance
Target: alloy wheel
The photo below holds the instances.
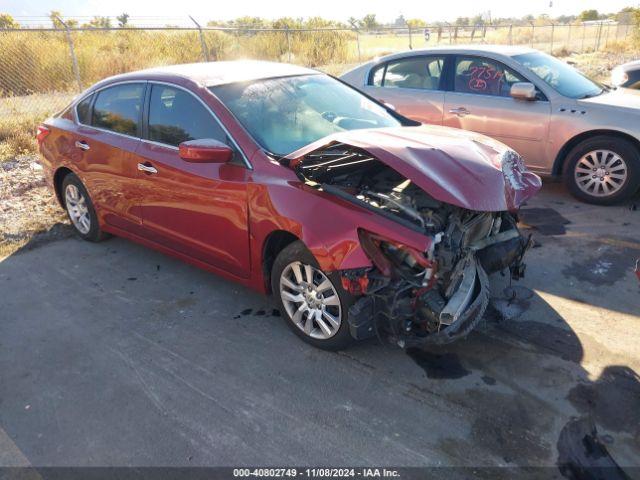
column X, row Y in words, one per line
column 601, row 173
column 311, row 301
column 76, row 205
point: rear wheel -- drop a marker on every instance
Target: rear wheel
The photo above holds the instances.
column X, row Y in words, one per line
column 603, row 170
column 312, row 302
column 80, row 209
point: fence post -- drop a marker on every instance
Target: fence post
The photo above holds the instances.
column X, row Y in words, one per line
column 288, row 44
column 553, row 28
column 473, row 33
column 598, row 38
column 72, row 51
column 439, row 33
column 510, row 34
column 410, row 42
column 533, row 33
column 358, row 42
column 203, row 44
column 584, row 34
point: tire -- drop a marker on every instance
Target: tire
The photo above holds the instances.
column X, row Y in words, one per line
column 80, row 209
column 586, row 162
column 285, row 263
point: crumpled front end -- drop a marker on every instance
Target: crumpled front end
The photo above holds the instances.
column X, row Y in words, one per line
column 419, row 297
column 437, row 296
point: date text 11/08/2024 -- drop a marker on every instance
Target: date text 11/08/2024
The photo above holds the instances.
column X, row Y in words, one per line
column 315, row 473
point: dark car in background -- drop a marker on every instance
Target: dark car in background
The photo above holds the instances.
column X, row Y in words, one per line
column 627, row 75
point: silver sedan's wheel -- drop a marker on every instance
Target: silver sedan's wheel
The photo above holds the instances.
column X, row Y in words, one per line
column 600, row 173
column 77, row 207
column 311, row 300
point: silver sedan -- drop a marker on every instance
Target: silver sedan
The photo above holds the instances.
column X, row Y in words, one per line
column 560, row 121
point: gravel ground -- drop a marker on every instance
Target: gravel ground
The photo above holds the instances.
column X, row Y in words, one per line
column 28, row 208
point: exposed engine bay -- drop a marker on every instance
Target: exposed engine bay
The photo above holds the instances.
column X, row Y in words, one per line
column 413, row 297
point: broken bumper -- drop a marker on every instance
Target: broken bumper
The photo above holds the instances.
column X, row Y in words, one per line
column 415, row 317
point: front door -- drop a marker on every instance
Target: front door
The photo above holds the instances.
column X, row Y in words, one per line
column 198, row 209
column 412, row 85
column 480, row 101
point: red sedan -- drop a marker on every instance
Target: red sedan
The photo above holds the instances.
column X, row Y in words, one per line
column 359, row 220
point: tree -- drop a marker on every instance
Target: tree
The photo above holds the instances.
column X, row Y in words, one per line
column 55, row 15
column 123, row 20
column 589, row 15
column 7, row 21
column 369, row 22
column 99, row 22
column 353, row 22
column 462, row 21
column 416, row 23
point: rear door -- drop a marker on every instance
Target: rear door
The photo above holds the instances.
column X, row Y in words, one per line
column 480, row 101
column 197, row 209
column 108, row 134
column 413, row 85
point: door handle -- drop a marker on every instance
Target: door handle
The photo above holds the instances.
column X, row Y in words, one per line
column 147, row 168
column 460, row 111
column 82, row 145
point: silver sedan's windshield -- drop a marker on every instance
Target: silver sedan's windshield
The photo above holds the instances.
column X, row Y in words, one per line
column 563, row 78
column 285, row 114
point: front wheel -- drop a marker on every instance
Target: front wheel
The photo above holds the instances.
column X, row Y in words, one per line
column 603, row 170
column 313, row 303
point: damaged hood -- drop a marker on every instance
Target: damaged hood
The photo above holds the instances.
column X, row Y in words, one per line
column 454, row 166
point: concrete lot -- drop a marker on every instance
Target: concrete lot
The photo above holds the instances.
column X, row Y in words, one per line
column 112, row 354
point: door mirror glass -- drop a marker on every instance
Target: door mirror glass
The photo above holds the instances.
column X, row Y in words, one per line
column 206, row 150
column 523, row 91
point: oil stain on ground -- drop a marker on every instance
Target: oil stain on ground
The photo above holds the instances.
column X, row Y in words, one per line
column 438, row 366
column 546, row 221
column 583, row 455
column 607, row 265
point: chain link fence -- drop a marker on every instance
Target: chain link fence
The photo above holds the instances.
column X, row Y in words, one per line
column 41, row 69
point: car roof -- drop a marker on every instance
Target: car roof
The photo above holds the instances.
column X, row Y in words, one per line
column 210, row 74
column 507, row 50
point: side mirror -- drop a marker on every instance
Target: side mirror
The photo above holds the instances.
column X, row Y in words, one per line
column 206, row 150
column 523, row 91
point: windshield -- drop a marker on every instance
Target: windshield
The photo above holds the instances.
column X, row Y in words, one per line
column 285, row 114
column 563, row 78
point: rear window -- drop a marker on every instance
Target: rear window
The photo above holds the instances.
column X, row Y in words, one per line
column 118, row 108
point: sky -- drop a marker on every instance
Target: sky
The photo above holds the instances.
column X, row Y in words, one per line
column 385, row 10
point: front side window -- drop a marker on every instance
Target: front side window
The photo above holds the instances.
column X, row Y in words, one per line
column 118, row 108
column 285, row 114
column 422, row 73
column 563, row 78
column 176, row 116
column 83, row 110
column 484, row 77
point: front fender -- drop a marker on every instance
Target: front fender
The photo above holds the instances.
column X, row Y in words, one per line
column 326, row 224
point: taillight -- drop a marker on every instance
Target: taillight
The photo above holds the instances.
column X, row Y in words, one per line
column 42, row 133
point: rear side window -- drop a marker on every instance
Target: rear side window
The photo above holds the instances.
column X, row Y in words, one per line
column 83, row 110
column 421, row 73
column 176, row 116
column 484, row 77
column 118, row 108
